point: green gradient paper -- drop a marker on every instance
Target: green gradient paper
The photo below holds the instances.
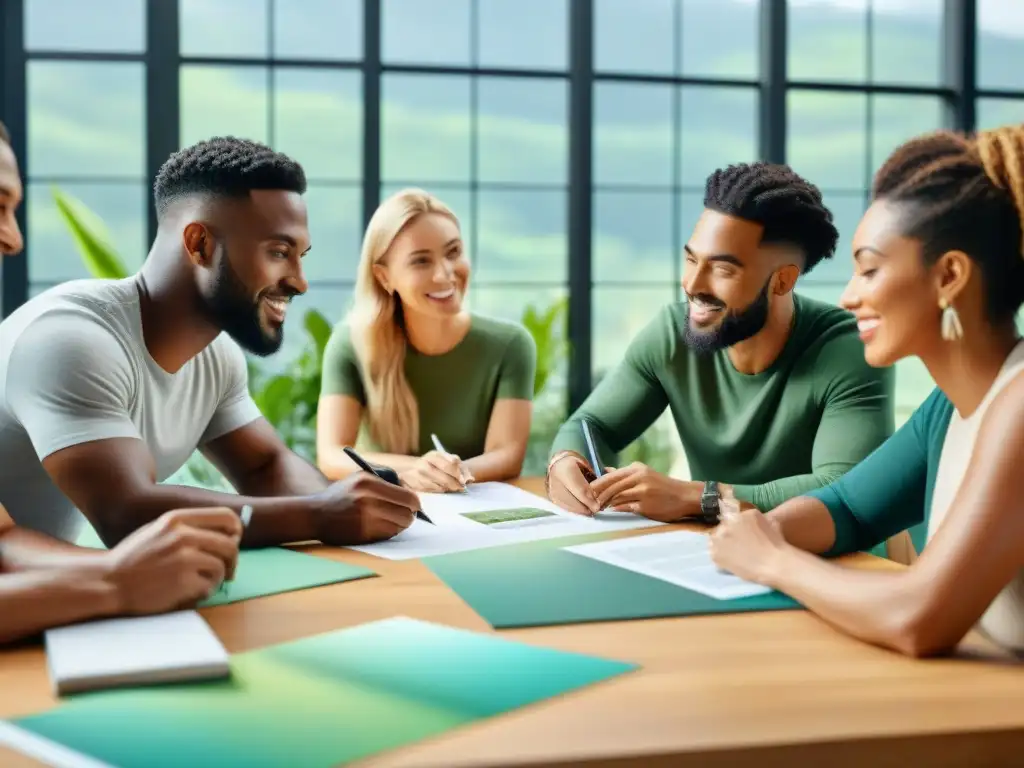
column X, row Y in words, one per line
column 321, row 701
column 538, row 584
column 270, row 571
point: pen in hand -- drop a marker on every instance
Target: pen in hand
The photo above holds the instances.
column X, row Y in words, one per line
column 246, row 516
column 365, row 466
column 441, row 449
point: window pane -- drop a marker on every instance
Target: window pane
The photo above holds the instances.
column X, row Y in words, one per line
column 633, row 134
column 336, row 232
column 826, row 141
column 895, row 119
column 521, row 236
column 425, row 128
column 511, row 303
column 906, row 42
column 632, row 238
column 827, row 40
column 223, row 101
column 631, row 36
column 318, row 120
column 522, row 135
column 418, row 32
column 619, row 315
column 847, row 209
column 459, row 201
column 1000, row 45
column 86, row 119
column 719, row 38
column 993, row 113
column 691, row 206
column 718, row 127
column 532, row 34
column 73, row 25
column 224, row 28
column 120, row 206
column 318, row 29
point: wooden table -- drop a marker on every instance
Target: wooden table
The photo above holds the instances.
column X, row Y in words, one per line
column 764, row 689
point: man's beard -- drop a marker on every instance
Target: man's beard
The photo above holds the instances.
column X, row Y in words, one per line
column 734, row 328
column 233, row 310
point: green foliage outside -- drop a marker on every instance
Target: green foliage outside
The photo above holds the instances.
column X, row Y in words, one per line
column 288, row 399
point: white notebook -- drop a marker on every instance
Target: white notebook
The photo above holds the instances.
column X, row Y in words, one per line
column 171, row 647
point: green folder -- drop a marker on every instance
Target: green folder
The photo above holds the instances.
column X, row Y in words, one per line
column 321, row 701
column 270, row 571
column 538, row 584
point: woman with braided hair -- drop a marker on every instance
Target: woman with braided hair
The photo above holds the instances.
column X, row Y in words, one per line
column 939, row 274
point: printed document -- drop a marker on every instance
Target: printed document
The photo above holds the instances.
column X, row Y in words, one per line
column 678, row 557
column 489, row 515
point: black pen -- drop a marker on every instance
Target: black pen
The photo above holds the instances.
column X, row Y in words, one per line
column 364, row 465
column 588, row 437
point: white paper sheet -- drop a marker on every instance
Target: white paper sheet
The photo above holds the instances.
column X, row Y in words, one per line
column 678, row 557
column 128, row 651
column 460, row 526
column 45, row 751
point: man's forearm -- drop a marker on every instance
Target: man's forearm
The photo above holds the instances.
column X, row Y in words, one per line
column 24, row 550
column 32, row 602
column 286, row 475
column 768, row 496
column 275, row 520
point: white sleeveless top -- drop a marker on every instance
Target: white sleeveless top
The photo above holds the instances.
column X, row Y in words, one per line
column 1003, row 621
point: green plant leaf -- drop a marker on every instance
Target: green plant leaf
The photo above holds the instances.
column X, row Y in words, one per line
column 275, row 399
column 91, row 237
column 319, row 329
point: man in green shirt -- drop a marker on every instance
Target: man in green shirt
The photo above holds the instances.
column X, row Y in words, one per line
column 770, row 391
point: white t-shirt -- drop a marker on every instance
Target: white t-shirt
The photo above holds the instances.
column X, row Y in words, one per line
column 74, row 368
column 1003, row 621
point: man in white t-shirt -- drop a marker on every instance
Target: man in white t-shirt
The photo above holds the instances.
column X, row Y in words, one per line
column 108, row 386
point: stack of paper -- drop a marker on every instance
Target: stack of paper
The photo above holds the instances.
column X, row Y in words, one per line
column 490, row 515
column 679, row 557
column 172, row 647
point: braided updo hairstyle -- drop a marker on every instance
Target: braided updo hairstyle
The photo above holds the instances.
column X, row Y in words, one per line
column 965, row 193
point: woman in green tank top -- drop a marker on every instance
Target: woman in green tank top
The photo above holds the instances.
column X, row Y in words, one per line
column 441, row 395
column 939, row 275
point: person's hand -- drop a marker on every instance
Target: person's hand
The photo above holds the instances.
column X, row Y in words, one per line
column 437, row 472
column 747, row 544
column 175, row 561
column 642, row 491
column 362, row 509
column 568, row 485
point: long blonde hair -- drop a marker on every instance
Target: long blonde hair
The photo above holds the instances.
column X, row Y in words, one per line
column 377, row 326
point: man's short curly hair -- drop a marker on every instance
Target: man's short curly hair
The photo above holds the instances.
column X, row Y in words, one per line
column 788, row 206
column 225, row 166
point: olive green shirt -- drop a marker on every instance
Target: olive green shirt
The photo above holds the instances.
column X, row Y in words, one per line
column 797, row 426
column 455, row 391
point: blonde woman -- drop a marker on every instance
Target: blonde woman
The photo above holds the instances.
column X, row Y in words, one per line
column 410, row 363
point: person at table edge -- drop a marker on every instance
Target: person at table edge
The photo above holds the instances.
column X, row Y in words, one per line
column 769, row 390
column 410, row 362
column 175, row 561
column 939, row 274
column 108, row 386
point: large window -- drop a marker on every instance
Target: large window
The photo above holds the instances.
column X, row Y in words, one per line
column 486, row 103
column 85, row 129
column 864, row 77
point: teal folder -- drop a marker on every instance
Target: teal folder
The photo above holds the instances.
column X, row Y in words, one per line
column 538, row 584
column 270, row 571
column 321, row 701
